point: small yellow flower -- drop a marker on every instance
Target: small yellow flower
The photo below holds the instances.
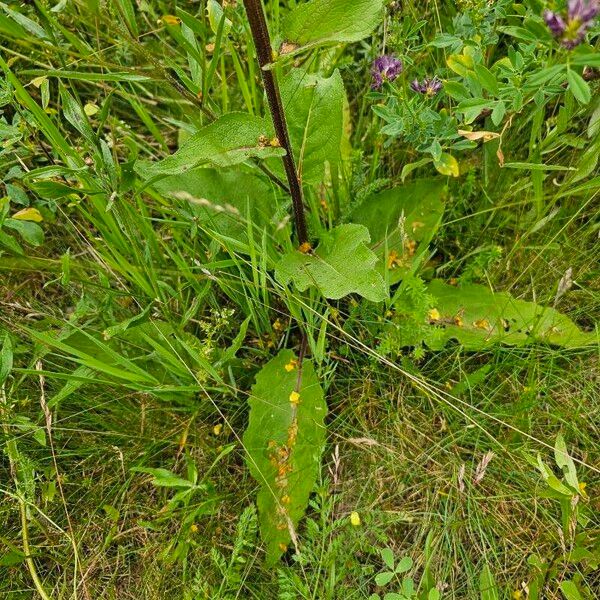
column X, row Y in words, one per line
column 434, row 315
column 295, row 398
column 393, row 260
column 194, row 528
column 354, row 519
column 582, row 486
column 517, row 595
column 291, row 365
column 217, row 429
column 170, row 20
column 305, row 248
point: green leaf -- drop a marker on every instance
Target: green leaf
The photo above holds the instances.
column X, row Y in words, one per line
column 404, row 565
column 570, row 591
column 31, row 26
column 75, row 115
column 488, row 588
column 447, row 165
column 284, row 442
column 331, row 21
column 314, row 109
column 487, row 79
column 230, row 140
column 461, row 64
column 565, row 462
column 399, row 217
column 579, row 87
column 387, row 556
column 341, row 265
column 222, row 201
column 479, row 318
column 164, row 478
column 31, row 232
column 384, row 578
column 6, row 359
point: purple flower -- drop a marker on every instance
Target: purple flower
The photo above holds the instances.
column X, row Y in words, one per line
column 555, row 23
column 581, row 15
column 428, row 87
column 385, row 68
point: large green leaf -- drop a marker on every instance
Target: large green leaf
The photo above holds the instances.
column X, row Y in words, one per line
column 479, row 318
column 314, row 108
column 284, row 442
column 230, row 140
column 402, row 222
column 341, row 265
column 222, row 200
column 331, row 21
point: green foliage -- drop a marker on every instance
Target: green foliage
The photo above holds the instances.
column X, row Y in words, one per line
column 342, row 264
column 320, row 22
column 479, row 318
column 314, row 107
column 284, row 442
column 402, row 221
column 230, row 140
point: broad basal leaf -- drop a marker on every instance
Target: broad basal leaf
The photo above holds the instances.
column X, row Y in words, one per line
column 341, row 265
column 401, row 222
column 479, row 318
column 230, row 140
column 222, row 201
column 284, row 442
column 314, row 108
column 330, row 21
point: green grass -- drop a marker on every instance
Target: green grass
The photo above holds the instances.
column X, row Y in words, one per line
column 90, row 398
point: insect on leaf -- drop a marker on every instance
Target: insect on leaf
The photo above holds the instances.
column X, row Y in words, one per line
column 341, row 265
column 284, row 442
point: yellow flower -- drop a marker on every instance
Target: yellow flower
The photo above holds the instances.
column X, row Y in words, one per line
column 170, row 20
column 194, row 528
column 295, row 398
column 434, row 315
column 305, row 248
column 291, row 365
column 582, row 491
column 218, row 428
column 354, row 519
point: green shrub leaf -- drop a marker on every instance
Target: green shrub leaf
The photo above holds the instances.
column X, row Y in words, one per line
column 222, row 201
column 284, row 442
column 331, row 21
column 230, row 140
column 402, row 221
column 341, row 265
column 314, row 108
column 479, row 318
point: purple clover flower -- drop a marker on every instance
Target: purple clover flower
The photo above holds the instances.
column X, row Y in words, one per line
column 385, row 68
column 581, row 15
column 427, row 87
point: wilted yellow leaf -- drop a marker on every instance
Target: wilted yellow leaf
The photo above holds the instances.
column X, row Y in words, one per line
column 38, row 81
column 474, row 136
column 29, row 214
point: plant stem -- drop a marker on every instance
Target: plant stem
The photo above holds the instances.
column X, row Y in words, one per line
column 264, row 52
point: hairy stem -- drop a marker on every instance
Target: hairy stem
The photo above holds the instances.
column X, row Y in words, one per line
column 264, row 52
